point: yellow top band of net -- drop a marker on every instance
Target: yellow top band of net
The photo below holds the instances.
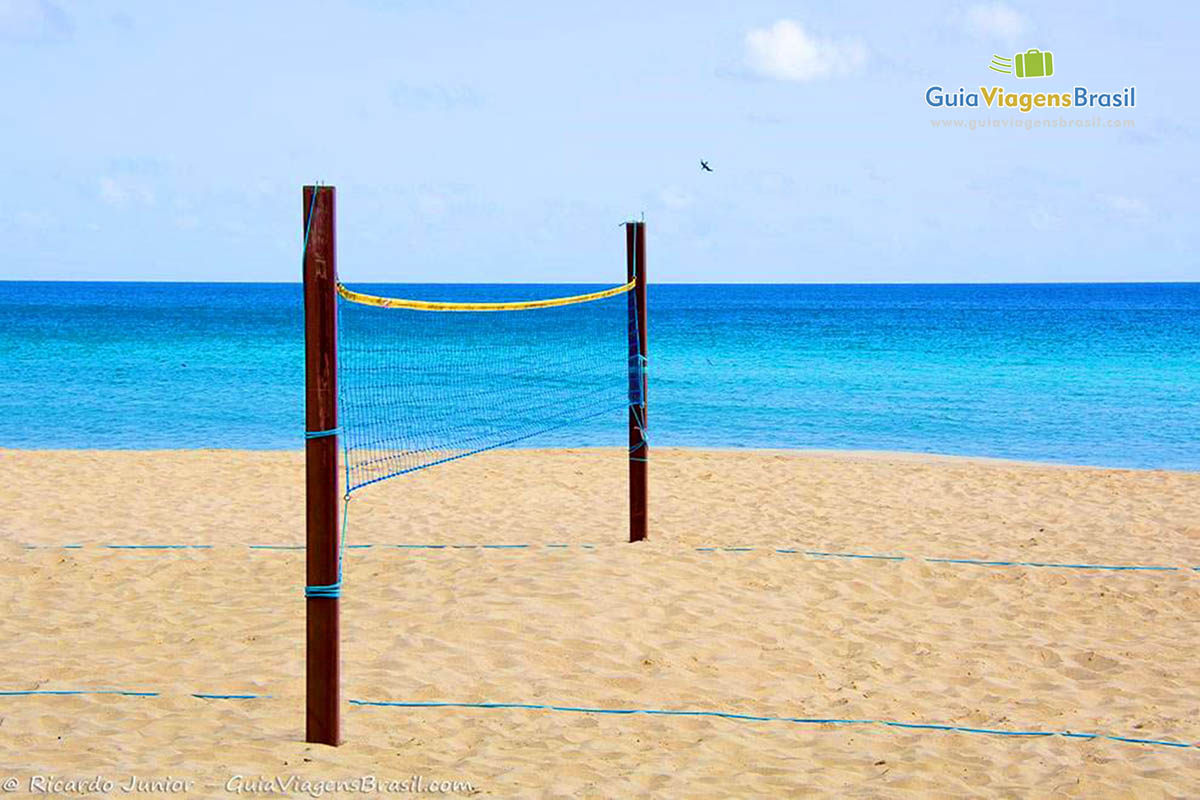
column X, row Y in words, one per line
column 424, row 305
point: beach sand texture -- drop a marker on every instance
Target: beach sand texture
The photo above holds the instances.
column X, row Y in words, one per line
column 657, row 625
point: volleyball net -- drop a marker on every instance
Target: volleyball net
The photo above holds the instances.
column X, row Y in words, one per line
column 424, row 382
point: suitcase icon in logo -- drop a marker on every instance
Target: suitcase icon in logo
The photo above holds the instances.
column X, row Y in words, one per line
column 1035, row 63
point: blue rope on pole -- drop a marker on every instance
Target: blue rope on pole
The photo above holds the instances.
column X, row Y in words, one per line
column 333, row 590
column 312, row 205
column 322, row 434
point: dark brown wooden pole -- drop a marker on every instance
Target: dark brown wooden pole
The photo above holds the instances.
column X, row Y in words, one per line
column 639, row 448
column 323, row 693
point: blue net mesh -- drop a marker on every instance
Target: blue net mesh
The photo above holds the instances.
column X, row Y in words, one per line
column 419, row 388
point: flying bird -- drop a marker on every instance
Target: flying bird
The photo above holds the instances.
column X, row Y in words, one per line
column 704, row 166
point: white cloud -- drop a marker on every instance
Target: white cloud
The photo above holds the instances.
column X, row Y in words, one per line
column 432, row 204
column 33, row 221
column 997, row 21
column 787, row 52
column 1043, row 219
column 432, row 97
column 32, row 21
column 112, row 192
column 120, row 193
column 1132, row 206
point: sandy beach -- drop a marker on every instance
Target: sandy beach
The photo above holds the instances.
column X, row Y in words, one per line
column 783, row 624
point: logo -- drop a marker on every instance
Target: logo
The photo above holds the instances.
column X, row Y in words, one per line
column 1033, row 63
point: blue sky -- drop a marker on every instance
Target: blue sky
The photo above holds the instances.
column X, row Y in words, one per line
column 506, row 142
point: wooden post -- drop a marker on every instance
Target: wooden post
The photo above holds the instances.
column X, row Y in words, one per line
column 639, row 448
column 323, row 693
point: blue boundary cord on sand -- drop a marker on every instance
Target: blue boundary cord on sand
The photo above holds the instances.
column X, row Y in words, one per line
column 56, row 692
column 123, row 693
column 780, row 550
column 971, row 561
column 916, row 726
column 121, row 546
column 793, row 720
column 158, row 546
column 979, row 562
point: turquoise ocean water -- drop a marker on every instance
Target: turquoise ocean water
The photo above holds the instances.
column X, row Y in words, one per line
column 1087, row 374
